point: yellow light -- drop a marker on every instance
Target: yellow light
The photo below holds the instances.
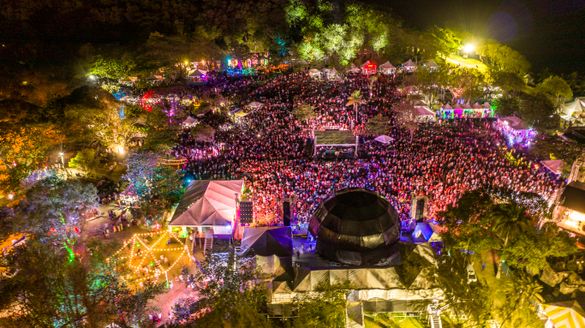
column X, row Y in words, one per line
column 120, row 150
column 469, row 48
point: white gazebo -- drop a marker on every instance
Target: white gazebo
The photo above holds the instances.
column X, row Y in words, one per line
column 387, row 68
column 315, row 73
column 209, row 204
column 409, row 66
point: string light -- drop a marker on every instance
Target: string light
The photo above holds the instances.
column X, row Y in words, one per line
column 149, row 251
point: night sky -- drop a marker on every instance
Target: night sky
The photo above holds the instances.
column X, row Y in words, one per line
column 550, row 33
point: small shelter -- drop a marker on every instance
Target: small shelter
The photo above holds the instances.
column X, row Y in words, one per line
column 384, row 139
column 574, row 111
column 189, row 122
column 409, row 66
column 314, row 73
column 387, row 68
column 431, row 65
column 369, row 68
column 353, row 69
column 267, row 241
column 554, row 165
column 209, row 204
column 255, row 105
column 563, row 315
column 330, row 74
column 423, row 114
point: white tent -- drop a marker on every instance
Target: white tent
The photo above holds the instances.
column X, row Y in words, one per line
column 387, row 68
column 423, row 114
column 208, row 203
column 330, row 73
column 189, row 122
column 384, row 139
column 315, row 73
column 409, row 66
column 431, row 65
column 255, row 105
column 353, row 69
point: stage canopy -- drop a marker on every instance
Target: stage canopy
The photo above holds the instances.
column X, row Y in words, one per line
column 356, row 227
column 208, row 203
column 267, row 241
column 384, row 139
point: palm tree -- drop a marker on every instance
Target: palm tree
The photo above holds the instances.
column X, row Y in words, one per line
column 355, row 100
column 509, row 220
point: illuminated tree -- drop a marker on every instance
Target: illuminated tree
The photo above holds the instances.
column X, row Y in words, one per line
column 56, row 208
column 229, row 296
column 111, row 68
column 339, row 41
column 23, row 150
column 52, row 291
column 556, row 89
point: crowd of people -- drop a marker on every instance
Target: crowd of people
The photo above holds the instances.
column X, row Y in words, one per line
column 269, row 148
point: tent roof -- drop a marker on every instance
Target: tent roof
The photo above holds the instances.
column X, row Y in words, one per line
column 409, row 63
column 384, row 139
column 423, row 111
column 189, row 120
column 555, row 166
column 387, row 65
column 565, row 314
column 573, row 196
column 334, row 137
column 208, row 203
column 431, row 63
column 255, row 104
column 266, row 241
column 577, row 105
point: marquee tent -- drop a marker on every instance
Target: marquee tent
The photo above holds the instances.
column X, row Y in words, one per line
column 431, row 65
column 387, row 68
column 266, row 241
column 384, row 139
column 555, row 166
column 189, row 122
column 574, row 111
column 208, row 203
column 330, row 73
column 315, row 73
column 409, row 66
column 423, row 114
column 255, row 105
column 353, row 69
column 564, row 315
column 369, row 68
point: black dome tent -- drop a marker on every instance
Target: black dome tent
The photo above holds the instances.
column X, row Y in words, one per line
column 356, row 227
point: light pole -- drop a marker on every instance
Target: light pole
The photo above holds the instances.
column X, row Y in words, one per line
column 61, row 155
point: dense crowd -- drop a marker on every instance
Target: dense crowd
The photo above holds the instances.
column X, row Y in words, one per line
column 268, row 147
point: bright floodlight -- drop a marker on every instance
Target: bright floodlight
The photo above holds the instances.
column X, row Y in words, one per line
column 469, row 48
column 61, row 154
column 92, row 77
